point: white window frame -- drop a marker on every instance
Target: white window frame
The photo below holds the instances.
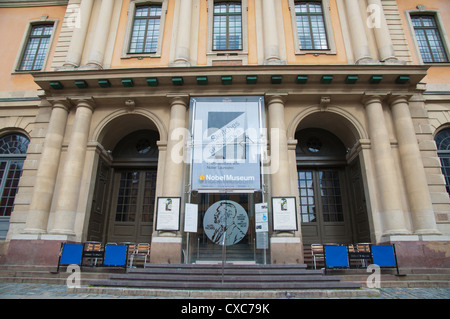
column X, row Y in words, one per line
column 24, row 42
column 328, row 29
column 445, row 40
column 129, row 29
column 230, row 55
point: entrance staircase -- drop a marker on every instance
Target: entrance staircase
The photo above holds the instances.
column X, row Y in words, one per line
column 227, row 277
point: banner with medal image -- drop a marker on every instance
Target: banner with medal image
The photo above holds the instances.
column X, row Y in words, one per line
column 225, row 143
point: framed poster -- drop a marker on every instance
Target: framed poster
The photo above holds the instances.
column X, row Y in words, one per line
column 168, row 213
column 284, row 211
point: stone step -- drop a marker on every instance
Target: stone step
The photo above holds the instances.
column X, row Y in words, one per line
column 225, row 285
column 227, row 276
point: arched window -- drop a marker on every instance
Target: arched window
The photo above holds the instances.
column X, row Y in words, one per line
column 443, row 146
column 13, row 150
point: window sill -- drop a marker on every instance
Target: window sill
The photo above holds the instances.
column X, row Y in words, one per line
column 140, row 56
column 315, row 52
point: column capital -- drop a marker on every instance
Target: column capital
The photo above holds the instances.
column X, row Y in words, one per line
column 276, row 97
column 369, row 97
column 63, row 103
column 87, row 102
column 178, row 98
column 394, row 99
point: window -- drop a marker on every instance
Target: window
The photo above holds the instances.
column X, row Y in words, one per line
column 13, row 148
column 146, row 29
column 36, row 48
column 443, row 145
column 310, row 23
column 429, row 39
column 227, row 29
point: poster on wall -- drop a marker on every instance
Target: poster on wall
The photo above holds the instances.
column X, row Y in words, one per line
column 261, row 218
column 191, row 218
column 168, row 213
column 284, row 211
column 226, row 143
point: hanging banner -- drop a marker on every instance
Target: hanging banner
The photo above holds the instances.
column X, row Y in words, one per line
column 226, row 143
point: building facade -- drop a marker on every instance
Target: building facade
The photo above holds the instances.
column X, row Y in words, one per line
column 249, row 128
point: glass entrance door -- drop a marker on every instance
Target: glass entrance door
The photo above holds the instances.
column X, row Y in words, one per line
column 226, row 229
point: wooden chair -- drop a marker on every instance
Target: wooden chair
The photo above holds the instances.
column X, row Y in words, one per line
column 142, row 251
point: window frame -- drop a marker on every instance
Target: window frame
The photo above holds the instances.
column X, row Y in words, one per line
column 129, row 29
column 440, row 27
column 443, row 154
column 227, row 16
column 328, row 30
column 220, row 55
column 24, row 43
column 9, row 159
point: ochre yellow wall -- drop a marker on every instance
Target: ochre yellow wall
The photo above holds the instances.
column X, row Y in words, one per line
column 436, row 74
column 13, row 26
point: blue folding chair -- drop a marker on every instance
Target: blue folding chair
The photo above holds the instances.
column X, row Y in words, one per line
column 384, row 256
column 116, row 256
column 336, row 256
column 71, row 254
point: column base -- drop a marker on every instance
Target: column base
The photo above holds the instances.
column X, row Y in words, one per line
column 166, row 250
column 414, row 252
column 33, row 252
column 286, row 250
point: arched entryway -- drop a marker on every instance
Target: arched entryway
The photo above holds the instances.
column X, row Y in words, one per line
column 13, row 150
column 125, row 188
column 332, row 203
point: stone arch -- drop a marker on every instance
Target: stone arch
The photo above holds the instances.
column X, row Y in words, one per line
column 121, row 123
column 338, row 121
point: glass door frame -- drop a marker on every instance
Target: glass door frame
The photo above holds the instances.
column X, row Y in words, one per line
column 263, row 190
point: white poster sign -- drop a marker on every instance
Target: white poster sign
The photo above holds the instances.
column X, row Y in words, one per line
column 261, row 217
column 191, row 218
column 284, row 213
column 168, row 213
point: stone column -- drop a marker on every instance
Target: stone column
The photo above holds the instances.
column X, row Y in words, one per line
column 69, row 190
column 166, row 245
column 358, row 37
column 97, row 51
column 385, row 174
column 285, row 247
column 183, row 45
column 382, row 35
column 271, row 48
column 76, row 47
column 423, row 218
column 44, row 186
column 278, row 146
column 174, row 164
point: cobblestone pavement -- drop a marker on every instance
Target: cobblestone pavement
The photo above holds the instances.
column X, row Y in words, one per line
column 46, row 291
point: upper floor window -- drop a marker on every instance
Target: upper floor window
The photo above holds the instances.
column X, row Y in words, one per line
column 146, row 29
column 227, row 29
column 429, row 39
column 311, row 28
column 36, row 47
